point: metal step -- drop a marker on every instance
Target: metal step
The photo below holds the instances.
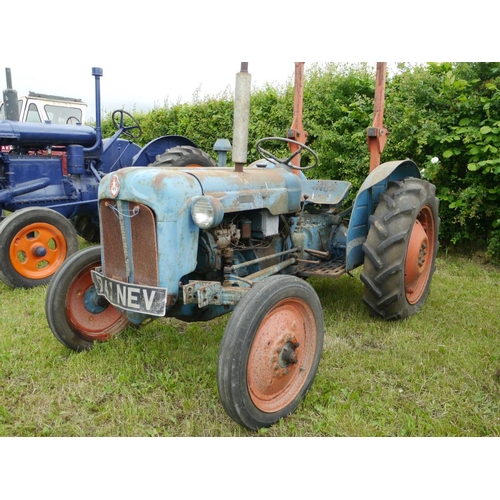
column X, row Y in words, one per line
column 332, row 269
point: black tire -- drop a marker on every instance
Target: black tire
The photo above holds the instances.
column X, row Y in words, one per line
column 400, row 249
column 34, row 243
column 76, row 315
column 262, row 373
column 87, row 228
column 183, row 156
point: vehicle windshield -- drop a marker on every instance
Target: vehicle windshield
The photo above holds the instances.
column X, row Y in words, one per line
column 63, row 114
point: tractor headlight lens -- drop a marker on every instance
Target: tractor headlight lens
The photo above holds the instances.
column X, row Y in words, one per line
column 207, row 212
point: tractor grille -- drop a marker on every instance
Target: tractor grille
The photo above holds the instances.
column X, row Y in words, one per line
column 129, row 242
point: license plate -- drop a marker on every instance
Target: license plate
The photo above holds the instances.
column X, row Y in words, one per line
column 131, row 297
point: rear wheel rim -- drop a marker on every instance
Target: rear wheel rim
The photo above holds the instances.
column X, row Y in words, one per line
column 281, row 355
column 420, row 255
column 37, row 250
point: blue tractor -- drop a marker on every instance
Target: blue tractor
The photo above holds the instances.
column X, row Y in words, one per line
column 49, row 178
column 197, row 243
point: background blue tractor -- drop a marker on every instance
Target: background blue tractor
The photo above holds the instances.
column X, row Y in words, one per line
column 49, row 177
column 197, row 243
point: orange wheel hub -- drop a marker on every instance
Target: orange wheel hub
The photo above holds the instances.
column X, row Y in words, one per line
column 281, row 355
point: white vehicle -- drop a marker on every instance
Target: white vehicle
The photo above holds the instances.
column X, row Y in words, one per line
column 40, row 108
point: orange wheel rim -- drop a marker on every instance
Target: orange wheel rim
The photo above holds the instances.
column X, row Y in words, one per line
column 281, row 355
column 420, row 255
column 37, row 250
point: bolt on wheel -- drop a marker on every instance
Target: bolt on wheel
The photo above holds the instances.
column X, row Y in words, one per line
column 400, row 249
column 270, row 351
column 34, row 242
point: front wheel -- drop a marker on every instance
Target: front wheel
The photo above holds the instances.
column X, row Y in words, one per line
column 34, row 242
column 400, row 249
column 270, row 351
column 77, row 316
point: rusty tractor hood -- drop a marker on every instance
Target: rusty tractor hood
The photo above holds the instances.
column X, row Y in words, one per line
column 167, row 189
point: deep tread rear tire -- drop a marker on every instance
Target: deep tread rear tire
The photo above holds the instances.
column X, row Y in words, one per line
column 400, row 249
column 183, row 156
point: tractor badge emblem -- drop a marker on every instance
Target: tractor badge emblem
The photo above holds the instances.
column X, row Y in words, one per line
column 114, row 186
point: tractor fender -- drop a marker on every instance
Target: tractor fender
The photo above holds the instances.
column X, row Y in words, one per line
column 117, row 154
column 158, row 146
column 366, row 202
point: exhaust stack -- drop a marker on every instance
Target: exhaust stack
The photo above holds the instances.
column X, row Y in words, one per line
column 241, row 117
column 10, row 99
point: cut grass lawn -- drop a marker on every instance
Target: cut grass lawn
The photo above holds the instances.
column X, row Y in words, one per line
column 435, row 374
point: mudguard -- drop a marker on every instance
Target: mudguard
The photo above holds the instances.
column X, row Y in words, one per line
column 367, row 200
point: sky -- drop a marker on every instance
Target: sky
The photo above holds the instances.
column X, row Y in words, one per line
column 134, row 89
column 152, row 53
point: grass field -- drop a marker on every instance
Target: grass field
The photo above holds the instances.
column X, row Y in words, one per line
column 436, row 374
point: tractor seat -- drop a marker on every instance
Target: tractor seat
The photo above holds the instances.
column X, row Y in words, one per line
column 324, row 192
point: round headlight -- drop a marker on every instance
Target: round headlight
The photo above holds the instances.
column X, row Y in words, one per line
column 207, row 212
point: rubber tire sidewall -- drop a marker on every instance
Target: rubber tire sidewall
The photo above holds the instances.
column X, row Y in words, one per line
column 383, row 271
column 237, row 340
column 11, row 226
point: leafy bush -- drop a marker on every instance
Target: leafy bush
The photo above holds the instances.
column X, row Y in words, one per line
column 462, row 116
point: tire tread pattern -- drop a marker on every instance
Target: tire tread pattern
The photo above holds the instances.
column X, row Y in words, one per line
column 386, row 245
column 182, row 156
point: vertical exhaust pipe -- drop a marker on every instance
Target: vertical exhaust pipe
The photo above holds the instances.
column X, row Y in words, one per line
column 10, row 99
column 241, row 117
column 96, row 148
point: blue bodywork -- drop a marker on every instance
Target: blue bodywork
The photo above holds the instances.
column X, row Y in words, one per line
column 274, row 221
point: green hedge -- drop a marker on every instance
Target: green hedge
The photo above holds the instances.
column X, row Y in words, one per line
column 446, row 117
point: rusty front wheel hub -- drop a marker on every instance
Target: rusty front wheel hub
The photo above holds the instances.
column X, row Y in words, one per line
column 89, row 314
column 281, row 355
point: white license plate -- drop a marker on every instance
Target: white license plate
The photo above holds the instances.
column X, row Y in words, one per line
column 131, row 297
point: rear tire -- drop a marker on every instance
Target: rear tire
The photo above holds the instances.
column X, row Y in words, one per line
column 270, row 351
column 77, row 316
column 183, row 156
column 400, row 249
column 87, row 227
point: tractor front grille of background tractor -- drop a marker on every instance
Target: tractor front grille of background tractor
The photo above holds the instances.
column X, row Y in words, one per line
column 128, row 236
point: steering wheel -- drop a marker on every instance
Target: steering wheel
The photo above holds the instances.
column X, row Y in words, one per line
column 127, row 129
column 268, row 156
column 72, row 120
